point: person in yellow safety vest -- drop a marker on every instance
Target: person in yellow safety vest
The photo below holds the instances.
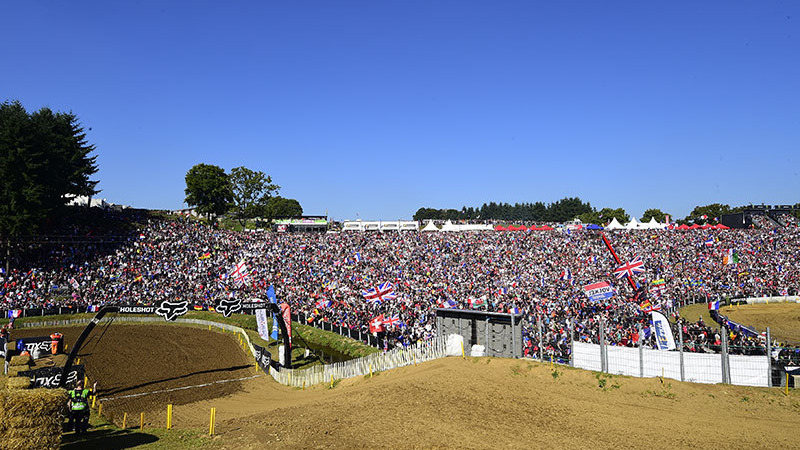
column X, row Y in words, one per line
column 78, row 405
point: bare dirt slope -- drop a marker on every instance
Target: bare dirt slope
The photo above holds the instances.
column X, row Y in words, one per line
column 500, row 403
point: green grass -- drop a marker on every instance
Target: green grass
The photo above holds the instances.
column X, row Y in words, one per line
column 103, row 435
column 692, row 312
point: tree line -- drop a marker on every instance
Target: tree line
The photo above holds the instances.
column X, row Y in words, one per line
column 570, row 208
column 242, row 194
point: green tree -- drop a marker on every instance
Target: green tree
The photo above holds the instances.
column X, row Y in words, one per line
column 605, row 215
column 44, row 161
column 251, row 192
column 654, row 212
column 208, row 189
column 283, row 207
column 707, row 213
column 567, row 209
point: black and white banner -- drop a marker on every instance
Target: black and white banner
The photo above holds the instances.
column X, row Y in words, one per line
column 2, row 348
column 137, row 309
column 37, row 347
column 49, row 377
column 263, row 358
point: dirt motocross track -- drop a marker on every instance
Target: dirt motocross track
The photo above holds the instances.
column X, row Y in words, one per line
column 448, row 403
column 133, row 359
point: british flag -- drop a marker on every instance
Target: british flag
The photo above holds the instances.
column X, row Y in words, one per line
column 631, row 267
column 323, row 304
column 379, row 294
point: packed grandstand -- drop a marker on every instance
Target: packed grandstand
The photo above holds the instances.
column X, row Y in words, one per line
column 391, row 283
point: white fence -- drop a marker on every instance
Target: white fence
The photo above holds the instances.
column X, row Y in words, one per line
column 683, row 366
column 376, row 362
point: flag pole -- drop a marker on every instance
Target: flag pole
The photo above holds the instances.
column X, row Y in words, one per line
column 616, row 258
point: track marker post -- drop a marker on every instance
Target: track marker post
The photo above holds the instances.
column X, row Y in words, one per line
column 169, row 416
column 94, row 399
column 370, row 370
column 463, row 355
column 124, row 420
column 331, row 381
column 787, row 383
column 100, row 409
column 211, row 421
column 141, row 422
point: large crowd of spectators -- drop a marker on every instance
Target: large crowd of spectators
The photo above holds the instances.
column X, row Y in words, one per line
column 322, row 276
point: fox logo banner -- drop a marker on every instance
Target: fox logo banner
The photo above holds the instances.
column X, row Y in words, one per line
column 171, row 310
column 599, row 291
column 228, row 307
column 663, row 333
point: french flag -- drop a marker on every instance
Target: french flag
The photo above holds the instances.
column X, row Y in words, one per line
column 713, row 306
column 14, row 313
column 93, row 308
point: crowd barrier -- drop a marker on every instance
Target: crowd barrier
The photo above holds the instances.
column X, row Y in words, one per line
column 376, row 362
column 684, row 366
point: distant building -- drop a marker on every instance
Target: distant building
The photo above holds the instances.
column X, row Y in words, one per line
column 83, row 200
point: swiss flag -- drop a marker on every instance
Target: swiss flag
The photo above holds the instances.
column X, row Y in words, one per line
column 376, row 324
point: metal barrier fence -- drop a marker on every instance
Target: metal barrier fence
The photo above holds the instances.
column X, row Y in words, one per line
column 376, row 362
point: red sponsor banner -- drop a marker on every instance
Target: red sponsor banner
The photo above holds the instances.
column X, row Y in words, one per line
column 287, row 318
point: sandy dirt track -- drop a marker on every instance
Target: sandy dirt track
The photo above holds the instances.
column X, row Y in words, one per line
column 783, row 319
column 501, row 403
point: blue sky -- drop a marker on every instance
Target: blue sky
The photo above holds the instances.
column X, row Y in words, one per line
column 372, row 109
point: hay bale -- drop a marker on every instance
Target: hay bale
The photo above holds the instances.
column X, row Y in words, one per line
column 13, row 371
column 31, row 418
column 18, row 383
column 36, row 402
column 20, row 360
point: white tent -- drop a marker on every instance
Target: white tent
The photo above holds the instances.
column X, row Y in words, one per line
column 448, row 226
column 614, row 225
column 633, row 224
column 430, row 227
column 655, row 225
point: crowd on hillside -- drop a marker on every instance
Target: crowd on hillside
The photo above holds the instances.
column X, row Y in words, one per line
column 323, row 276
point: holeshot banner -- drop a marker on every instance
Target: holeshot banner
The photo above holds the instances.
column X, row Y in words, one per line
column 49, row 377
column 137, row 309
column 263, row 358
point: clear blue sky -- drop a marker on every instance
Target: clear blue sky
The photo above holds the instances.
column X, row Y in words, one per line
column 373, row 109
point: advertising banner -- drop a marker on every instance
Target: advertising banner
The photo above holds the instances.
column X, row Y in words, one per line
column 49, row 377
column 662, row 332
column 599, row 291
column 263, row 358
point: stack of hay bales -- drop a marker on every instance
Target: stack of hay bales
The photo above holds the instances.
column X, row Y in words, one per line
column 15, row 366
column 31, row 418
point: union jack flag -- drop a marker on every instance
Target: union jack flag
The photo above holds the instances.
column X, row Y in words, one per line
column 384, row 291
column 449, row 303
column 239, row 273
column 631, row 267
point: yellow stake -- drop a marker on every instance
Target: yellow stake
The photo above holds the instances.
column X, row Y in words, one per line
column 65, row 347
column 94, row 398
column 169, row 416
column 415, row 359
column 304, row 385
column 370, row 370
column 124, row 420
column 211, row 421
column 462, row 350
column 331, row 381
column 551, row 362
column 141, row 422
column 787, row 383
column 100, row 409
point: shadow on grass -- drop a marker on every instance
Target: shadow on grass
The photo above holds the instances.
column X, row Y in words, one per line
column 106, row 440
